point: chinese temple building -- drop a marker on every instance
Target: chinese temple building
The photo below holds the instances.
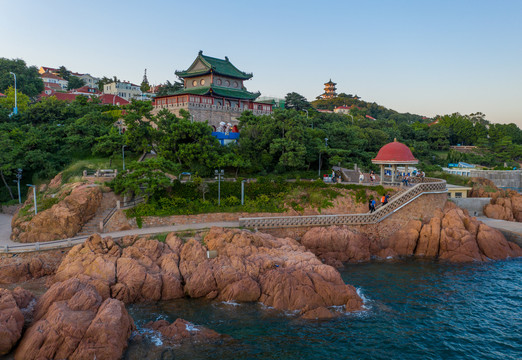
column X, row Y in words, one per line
column 329, row 91
column 213, row 91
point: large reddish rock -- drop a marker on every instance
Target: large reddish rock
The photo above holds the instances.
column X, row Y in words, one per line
column 505, row 205
column 23, row 267
column 259, row 267
column 11, row 321
column 337, row 244
column 63, row 220
column 182, row 331
column 450, row 235
column 483, row 187
column 72, row 321
column 144, row 270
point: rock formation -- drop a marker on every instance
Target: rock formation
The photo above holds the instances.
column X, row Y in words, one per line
column 12, row 306
column 450, row 235
column 73, row 321
column 249, row 267
column 63, row 220
column 482, row 187
column 27, row 266
column 505, row 205
column 182, row 331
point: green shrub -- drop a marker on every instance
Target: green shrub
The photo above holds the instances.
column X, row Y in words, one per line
column 139, row 222
column 231, row 201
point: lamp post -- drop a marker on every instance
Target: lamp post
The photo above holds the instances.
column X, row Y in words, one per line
column 219, row 175
column 34, row 196
column 326, row 145
column 123, row 155
column 18, row 178
column 243, row 192
column 15, row 110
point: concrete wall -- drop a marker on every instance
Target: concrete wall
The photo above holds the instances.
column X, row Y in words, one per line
column 501, row 178
column 475, row 206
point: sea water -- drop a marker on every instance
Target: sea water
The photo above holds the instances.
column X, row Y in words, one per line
column 413, row 310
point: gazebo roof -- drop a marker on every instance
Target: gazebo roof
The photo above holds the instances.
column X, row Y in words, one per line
column 395, row 153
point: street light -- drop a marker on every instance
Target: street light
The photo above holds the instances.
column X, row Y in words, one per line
column 123, row 153
column 15, row 110
column 34, row 194
column 18, row 178
column 219, row 175
column 326, row 145
column 243, row 192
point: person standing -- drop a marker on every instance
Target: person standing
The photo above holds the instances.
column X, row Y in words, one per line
column 386, row 197
column 361, row 177
column 373, row 205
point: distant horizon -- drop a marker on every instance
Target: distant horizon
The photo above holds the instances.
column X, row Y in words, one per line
column 413, row 57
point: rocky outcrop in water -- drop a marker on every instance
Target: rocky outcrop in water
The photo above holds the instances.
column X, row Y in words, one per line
column 73, row 321
column 450, row 235
column 249, row 267
column 181, row 331
column 63, row 220
column 13, row 305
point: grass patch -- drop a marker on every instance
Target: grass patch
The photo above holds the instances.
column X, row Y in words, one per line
column 161, row 237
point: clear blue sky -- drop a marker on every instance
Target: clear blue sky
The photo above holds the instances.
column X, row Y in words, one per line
column 419, row 56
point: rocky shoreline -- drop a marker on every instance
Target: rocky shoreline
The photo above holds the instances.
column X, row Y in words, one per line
column 83, row 313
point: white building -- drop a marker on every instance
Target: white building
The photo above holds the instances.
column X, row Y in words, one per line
column 90, row 80
column 125, row 90
column 49, row 78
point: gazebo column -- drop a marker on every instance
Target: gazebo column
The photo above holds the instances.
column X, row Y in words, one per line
column 394, row 173
column 382, row 174
column 406, row 169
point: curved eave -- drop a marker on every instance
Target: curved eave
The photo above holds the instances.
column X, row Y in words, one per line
column 395, row 162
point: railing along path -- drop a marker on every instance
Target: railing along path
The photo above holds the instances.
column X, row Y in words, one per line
column 422, row 186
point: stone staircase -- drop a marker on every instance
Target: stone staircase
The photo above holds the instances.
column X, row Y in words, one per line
column 93, row 226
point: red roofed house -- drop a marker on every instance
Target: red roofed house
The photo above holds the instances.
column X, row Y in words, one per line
column 86, row 90
column 49, row 78
column 2, row 95
column 113, row 99
column 394, row 153
column 343, row 109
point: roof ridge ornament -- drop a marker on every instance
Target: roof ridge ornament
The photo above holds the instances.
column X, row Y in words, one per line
column 226, row 58
column 200, row 52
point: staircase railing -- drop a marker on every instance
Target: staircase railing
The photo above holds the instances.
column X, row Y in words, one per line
column 430, row 185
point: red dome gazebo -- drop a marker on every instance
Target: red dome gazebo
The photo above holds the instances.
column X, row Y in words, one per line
column 394, row 153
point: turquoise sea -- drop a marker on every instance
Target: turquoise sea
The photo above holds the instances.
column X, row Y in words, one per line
column 414, row 310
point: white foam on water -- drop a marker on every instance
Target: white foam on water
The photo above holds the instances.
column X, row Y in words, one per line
column 191, row 327
column 156, row 340
column 231, row 302
column 366, row 301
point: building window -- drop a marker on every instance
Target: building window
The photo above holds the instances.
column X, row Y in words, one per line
column 202, row 82
column 227, row 83
column 195, row 83
column 218, row 81
column 458, row 195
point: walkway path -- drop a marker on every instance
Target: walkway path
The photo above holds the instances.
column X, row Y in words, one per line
column 14, row 247
column 512, row 230
column 5, row 231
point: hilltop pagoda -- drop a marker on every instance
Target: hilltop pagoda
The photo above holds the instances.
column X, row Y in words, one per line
column 329, row 91
column 213, row 91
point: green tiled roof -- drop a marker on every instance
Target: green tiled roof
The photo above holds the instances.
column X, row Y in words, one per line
column 218, row 66
column 219, row 91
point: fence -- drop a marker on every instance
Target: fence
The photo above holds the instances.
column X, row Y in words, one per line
column 429, row 186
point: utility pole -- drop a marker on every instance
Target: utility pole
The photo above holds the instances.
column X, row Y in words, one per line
column 243, row 192
column 219, row 175
column 123, row 155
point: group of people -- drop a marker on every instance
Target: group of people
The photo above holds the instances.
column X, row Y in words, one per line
column 372, row 203
column 406, row 178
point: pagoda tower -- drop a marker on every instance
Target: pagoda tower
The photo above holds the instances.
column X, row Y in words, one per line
column 329, row 91
column 213, row 91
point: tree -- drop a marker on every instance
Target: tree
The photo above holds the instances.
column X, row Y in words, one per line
column 169, row 88
column 296, row 101
column 28, row 80
column 8, row 102
column 75, row 82
column 64, row 73
column 145, row 87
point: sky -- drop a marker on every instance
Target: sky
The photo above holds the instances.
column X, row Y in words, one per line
column 428, row 57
